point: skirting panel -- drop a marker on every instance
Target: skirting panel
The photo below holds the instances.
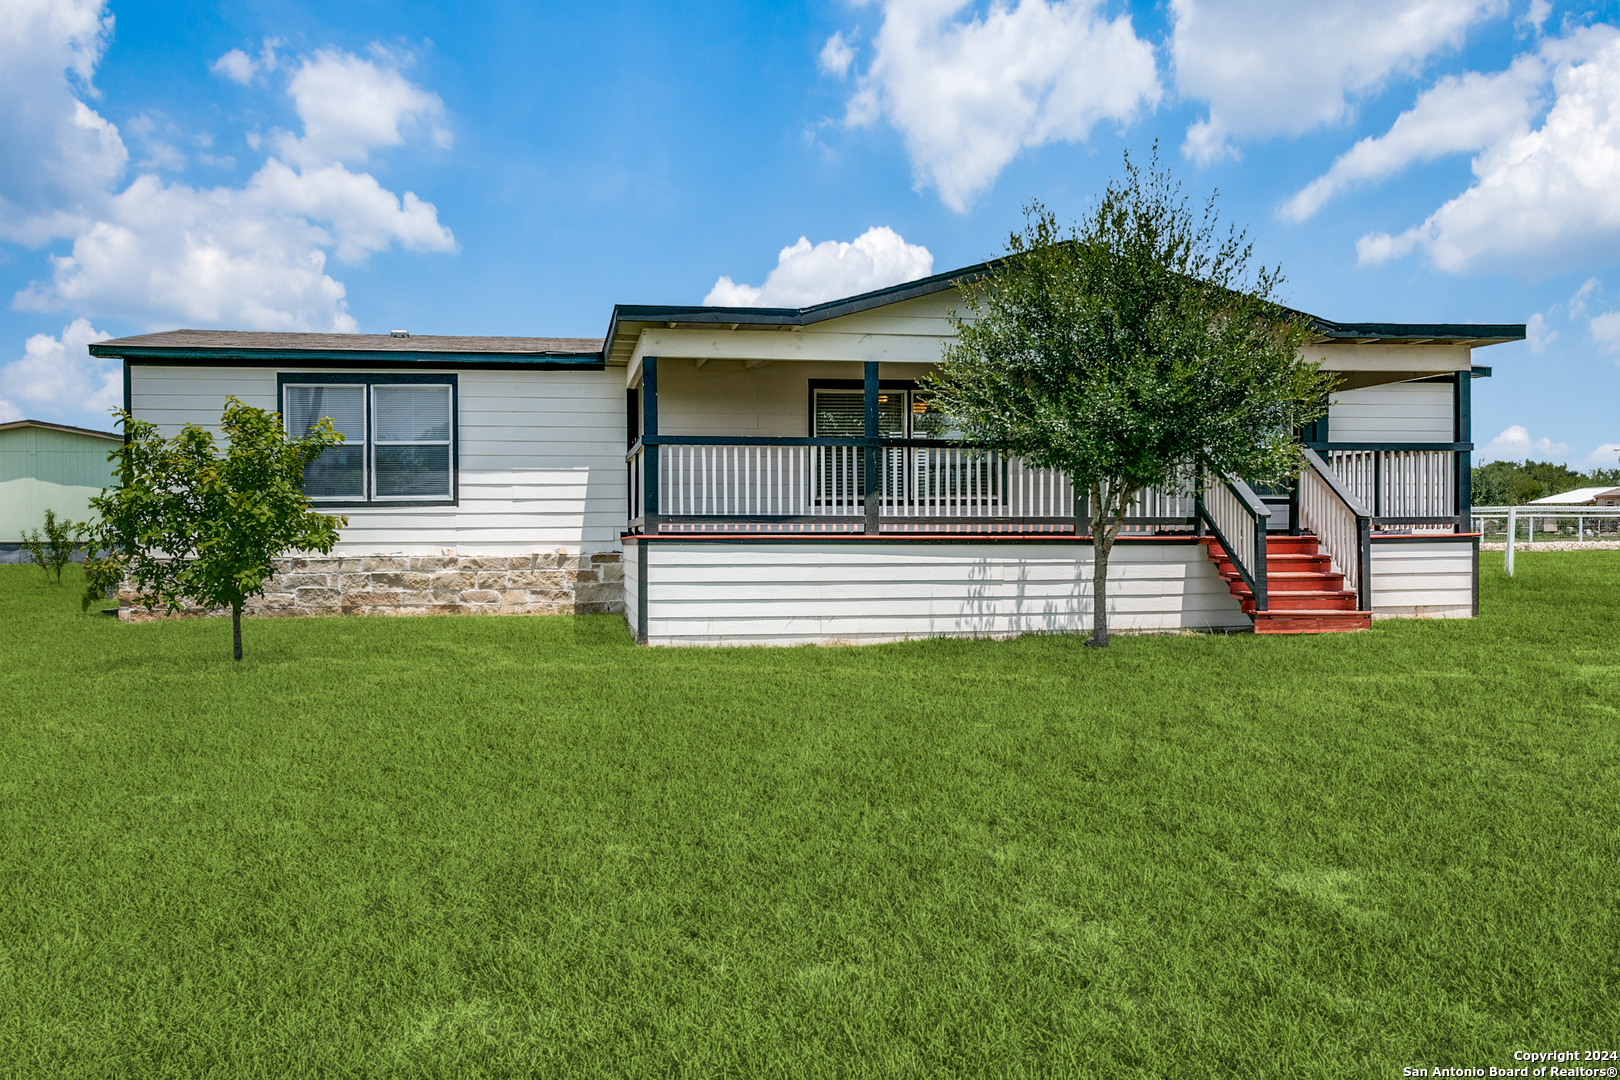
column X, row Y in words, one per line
column 1424, row 579
column 855, row 593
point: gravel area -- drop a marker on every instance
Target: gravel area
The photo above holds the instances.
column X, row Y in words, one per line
column 1555, row 545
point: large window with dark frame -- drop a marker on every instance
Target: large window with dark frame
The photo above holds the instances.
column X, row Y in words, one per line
column 399, row 438
column 912, row 473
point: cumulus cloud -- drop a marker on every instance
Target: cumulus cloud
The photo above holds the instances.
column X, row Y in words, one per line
column 1605, row 456
column 236, row 66
column 58, row 156
column 1537, row 333
column 1460, row 113
column 808, row 274
column 1282, row 67
column 1606, row 331
column 967, row 95
column 239, row 67
column 1515, row 444
column 56, row 374
column 249, row 257
column 836, row 56
column 351, row 106
column 1544, row 200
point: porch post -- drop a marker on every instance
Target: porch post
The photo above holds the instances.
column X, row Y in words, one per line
column 1462, row 401
column 650, row 479
column 873, row 453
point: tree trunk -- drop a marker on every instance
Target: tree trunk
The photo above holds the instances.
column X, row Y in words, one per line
column 1107, row 518
column 236, row 629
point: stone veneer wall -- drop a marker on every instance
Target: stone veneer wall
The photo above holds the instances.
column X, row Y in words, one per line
column 554, row 583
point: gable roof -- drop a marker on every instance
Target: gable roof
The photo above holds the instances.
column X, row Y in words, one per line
column 68, row 428
column 251, row 347
column 629, row 320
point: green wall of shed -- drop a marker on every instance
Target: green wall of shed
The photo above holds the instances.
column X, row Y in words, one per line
column 42, row 469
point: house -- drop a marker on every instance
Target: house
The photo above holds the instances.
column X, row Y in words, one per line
column 48, row 467
column 1586, row 496
column 768, row 475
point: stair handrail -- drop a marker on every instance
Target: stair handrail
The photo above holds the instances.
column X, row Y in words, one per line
column 1347, row 541
column 1238, row 518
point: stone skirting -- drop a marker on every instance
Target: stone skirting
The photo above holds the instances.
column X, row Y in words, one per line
column 554, row 583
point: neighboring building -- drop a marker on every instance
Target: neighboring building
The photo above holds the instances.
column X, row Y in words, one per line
column 774, row 475
column 1586, row 496
column 49, row 467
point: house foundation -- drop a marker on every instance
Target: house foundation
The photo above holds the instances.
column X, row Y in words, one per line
column 543, row 583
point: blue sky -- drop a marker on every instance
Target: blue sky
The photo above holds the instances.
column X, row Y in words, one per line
column 519, row 168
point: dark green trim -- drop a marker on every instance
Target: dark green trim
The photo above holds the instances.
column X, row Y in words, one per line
column 1431, row 538
column 886, row 538
column 1479, row 371
column 371, row 359
column 1457, row 446
column 1326, row 329
column 641, row 593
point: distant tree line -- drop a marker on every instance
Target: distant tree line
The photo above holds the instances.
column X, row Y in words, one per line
column 1514, row 483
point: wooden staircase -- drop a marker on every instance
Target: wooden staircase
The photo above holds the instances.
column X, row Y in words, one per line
column 1303, row 594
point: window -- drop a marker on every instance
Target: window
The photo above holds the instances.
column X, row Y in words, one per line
column 935, row 476
column 399, row 437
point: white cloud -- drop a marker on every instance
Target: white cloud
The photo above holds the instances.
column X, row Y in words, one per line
column 1459, row 113
column 1515, row 444
column 836, row 56
column 1606, row 331
column 1537, row 13
column 350, row 106
column 968, row 96
column 236, row 66
column 807, row 274
column 1282, row 67
column 60, row 374
column 9, row 412
column 1536, row 332
column 250, row 257
column 57, row 155
column 239, row 67
column 1544, row 200
column 1606, row 456
column 1577, row 303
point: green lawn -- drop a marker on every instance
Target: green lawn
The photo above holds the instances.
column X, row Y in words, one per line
column 522, row 846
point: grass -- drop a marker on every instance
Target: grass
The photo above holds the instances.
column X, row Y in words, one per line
column 524, row 847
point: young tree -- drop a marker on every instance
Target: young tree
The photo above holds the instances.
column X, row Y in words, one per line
column 1128, row 349
column 191, row 523
column 53, row 549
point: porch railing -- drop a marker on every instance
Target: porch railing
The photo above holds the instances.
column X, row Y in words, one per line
column 1408, row 488
column 1237, row 517
column 1343, row 526
column 709, row 484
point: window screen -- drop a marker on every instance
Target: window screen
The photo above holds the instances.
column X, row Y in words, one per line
column 411, row 443
column 340, row 471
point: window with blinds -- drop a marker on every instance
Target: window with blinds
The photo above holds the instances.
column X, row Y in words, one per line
column 340, row 471
column 398, row 440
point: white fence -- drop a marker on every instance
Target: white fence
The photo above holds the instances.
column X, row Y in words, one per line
column 1513, row 516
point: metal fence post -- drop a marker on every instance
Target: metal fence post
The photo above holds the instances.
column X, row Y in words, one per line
column 1512, row 531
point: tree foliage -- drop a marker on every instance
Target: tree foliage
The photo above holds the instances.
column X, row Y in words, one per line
column 192, row 522
column 52, row 549
column 1514, row 483
column 1127, row 347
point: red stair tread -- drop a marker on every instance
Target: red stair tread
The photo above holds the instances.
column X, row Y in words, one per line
column 1305, row 595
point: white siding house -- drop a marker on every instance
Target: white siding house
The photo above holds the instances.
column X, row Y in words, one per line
column 775, row 476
